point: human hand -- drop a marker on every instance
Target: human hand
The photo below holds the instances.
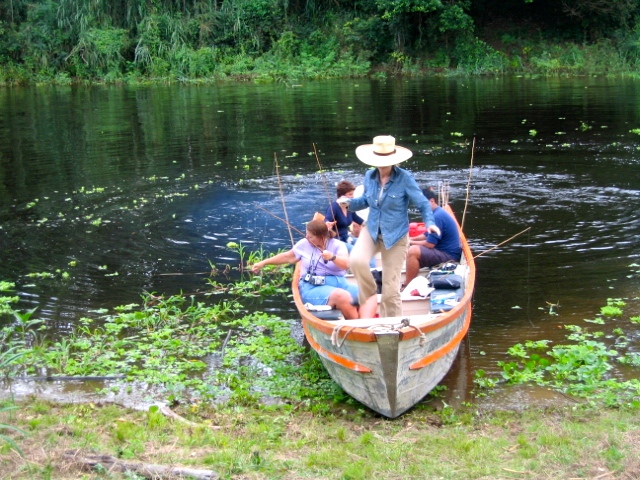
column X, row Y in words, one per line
column 434, row 229
column 256, row 267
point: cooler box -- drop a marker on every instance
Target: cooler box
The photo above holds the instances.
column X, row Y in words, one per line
column 443, row 300
column 416, row 229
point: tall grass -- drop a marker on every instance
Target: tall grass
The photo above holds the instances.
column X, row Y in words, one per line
column 7, row 359
column 206, row 40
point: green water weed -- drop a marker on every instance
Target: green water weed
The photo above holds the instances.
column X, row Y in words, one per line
column 481, row 380
column 41, row 275
column 611, row 311
column 585, row 126
column 581, row 368
column 7, row 304
column 163, row 341
column 24, row 327
column 613, row 307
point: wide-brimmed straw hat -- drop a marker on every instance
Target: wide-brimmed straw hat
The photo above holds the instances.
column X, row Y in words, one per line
column 383, row 152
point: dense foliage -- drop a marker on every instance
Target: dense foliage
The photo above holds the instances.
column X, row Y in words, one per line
column 116, row 40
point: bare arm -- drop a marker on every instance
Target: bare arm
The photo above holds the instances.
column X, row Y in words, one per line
column 279, row 259
column 340, row 261
column 422, row 242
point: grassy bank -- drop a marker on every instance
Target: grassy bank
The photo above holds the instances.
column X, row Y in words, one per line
column 279, row 442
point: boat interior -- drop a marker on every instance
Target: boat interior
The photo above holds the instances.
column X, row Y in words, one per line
column 427, row 294
column 423, row 296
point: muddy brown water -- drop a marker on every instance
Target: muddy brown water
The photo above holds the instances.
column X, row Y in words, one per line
column 142, row 187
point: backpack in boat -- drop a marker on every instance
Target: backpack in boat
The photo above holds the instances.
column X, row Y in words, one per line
column 448, row 290
column 446, row 281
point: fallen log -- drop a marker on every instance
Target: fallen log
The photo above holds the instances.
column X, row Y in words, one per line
column 166, row 411
column 147, row 470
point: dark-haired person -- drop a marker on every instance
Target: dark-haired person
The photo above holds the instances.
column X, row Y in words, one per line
column 324, row 263
column 388, row 192
column 339, row 218
column 430, row 250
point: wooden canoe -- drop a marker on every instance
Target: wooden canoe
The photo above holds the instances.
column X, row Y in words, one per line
column 390, row 364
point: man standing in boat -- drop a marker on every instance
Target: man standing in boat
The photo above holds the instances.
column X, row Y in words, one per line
column 432, row 249
column 388, row 192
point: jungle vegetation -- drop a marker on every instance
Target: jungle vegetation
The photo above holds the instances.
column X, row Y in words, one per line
column 63, row 41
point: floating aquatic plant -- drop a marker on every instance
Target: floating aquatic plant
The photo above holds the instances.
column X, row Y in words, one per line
column 40, row 275
column 598, row 321
column 611, row 311
column 581, row 367
column 613, row 307
column 163, row 342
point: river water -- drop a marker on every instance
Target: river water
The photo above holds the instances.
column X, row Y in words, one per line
column 141, row 188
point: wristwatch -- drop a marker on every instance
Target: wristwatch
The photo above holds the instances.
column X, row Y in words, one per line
column 333, row 258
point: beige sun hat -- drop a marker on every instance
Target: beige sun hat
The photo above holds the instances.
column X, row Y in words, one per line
column 383, row 152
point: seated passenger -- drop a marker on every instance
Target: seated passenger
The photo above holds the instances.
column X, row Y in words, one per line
column 324, row 263
column 337, row 216
column 427, row 251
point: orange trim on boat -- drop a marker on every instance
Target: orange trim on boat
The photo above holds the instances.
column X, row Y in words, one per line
column 345, row 362
column 442, row 351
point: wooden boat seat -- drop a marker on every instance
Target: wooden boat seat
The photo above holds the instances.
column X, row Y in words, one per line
column 329, row 315
column 324, row 312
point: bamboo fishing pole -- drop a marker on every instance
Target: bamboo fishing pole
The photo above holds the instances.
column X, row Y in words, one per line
column 182, row 274
column 281, row 219
column 284, row 206
column 502, row 243
column 324, row 181
column 466, row 202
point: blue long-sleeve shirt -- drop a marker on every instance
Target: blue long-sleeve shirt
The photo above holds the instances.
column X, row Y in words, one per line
column 389, row 205
column 334, row 214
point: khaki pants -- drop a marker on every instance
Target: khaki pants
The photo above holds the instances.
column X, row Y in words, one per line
column 392, row 261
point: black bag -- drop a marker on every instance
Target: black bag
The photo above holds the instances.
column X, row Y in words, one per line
column 449, row 281
column 377, row 277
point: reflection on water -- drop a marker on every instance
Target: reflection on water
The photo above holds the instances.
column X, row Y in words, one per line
column 140, row 189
